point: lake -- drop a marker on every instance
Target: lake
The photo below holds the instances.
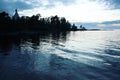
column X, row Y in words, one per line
column 74, row 55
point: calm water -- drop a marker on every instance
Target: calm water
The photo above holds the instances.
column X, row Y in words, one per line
column 81, row 55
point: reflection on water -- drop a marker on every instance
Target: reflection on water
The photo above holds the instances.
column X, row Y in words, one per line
column 81, row 55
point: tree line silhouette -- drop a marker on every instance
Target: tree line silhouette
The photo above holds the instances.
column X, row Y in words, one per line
column 34, row 23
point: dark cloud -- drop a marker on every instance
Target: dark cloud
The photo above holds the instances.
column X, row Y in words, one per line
column 113, row 4
column 10, row 6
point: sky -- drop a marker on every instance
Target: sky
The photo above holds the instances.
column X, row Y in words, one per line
column 100, row 12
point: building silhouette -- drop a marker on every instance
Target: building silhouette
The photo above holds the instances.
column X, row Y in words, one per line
column 16, row 15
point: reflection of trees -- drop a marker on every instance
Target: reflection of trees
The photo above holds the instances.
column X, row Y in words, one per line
column 59, row 37
column 8, row 42
column 5, row 45
column 11, row 41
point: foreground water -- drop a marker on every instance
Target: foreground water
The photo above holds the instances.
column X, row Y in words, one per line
column 80, row 55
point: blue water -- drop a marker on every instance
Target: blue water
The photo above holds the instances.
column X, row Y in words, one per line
column 80, row 55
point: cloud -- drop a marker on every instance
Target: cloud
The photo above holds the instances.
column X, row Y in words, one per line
column 112, row 22
column 115, row 23
column 101, row 25
column 115, row 3
column 9, row 6
column 47, row 4
column 73, row 10
column 67, row 2
column 110, row 4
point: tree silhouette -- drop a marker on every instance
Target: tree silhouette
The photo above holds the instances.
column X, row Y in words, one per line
column 74, row 27
column 4, row 21
column 35, row 23
column 82, row 28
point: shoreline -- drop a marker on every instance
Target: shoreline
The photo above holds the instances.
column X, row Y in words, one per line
column 45, row 31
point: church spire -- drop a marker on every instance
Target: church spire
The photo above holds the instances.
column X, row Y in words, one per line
column 16, row 15
column 15, row 10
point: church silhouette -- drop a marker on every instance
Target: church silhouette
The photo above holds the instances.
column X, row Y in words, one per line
column 16, row 15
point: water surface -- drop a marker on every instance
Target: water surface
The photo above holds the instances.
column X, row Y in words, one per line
column 79, row 55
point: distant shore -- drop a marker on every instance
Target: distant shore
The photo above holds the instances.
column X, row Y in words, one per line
column 89, row 30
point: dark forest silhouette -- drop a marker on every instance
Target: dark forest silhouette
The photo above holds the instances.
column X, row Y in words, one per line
column 35, row 23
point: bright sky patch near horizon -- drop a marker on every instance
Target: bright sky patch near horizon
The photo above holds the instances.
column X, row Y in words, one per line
column 78, row 11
